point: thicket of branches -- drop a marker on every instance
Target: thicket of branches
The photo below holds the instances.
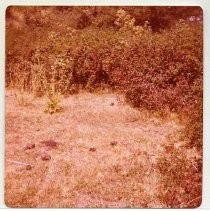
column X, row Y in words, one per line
column 151, row 54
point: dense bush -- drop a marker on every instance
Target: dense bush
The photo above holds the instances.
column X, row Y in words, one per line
column 181, row 181
column 169, row 66
column 155, row 70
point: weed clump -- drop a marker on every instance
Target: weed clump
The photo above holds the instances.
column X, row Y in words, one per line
column 53, row 103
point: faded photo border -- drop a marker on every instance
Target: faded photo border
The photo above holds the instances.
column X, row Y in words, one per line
column 204, row 4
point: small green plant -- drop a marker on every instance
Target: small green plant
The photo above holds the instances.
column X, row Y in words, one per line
column 54, row 102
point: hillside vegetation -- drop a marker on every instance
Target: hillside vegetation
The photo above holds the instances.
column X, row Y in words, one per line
column 153, row 56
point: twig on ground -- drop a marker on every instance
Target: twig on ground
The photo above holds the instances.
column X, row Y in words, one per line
column 20, row 163
column 193, row 200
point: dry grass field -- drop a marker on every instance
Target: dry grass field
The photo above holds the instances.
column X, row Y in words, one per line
column 105, row 153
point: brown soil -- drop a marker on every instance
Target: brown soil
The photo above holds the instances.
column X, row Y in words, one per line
column 122, row 174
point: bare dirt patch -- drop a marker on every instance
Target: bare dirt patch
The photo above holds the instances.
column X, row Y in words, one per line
column 119, row 172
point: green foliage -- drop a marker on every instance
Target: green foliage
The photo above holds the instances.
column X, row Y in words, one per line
column 181, row 180
column 54, row 103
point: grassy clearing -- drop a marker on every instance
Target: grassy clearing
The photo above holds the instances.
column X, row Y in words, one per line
column 76, row 176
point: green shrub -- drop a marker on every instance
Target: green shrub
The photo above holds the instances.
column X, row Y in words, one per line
column 54, row 103
column 180, row 185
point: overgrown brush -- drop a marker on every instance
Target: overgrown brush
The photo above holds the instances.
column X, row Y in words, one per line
column 181, row 164
column 155, row 70
column 180, row 185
